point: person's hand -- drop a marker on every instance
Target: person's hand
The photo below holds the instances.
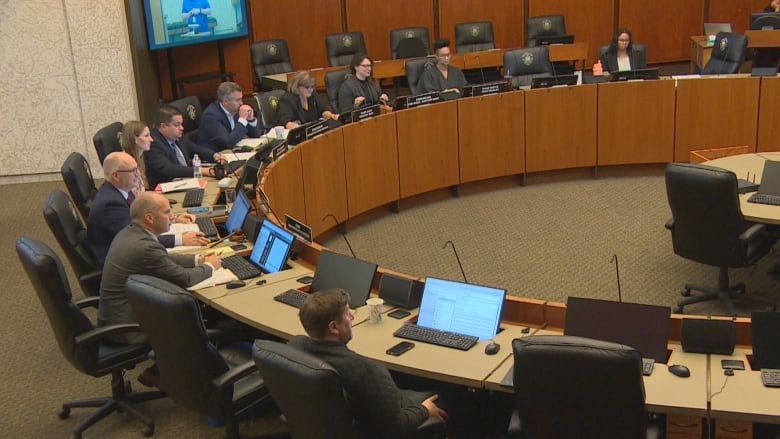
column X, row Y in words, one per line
column 329, row 115
column 433, row 409
column 185, row 218
column 245, row 112
column 775, row 5
column 213, row 259
column 359, row 100
column 384, row 98
column 194, row 238
column 219, row 158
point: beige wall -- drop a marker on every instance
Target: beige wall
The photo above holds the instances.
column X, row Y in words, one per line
column 65, row 72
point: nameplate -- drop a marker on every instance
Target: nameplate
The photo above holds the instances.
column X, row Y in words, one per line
column 279, row 150
column 316, row 129
column 298, row 228
column 425, row 98
column 365, row 113
column 486, row 89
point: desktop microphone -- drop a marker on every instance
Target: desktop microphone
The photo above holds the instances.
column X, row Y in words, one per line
column 457, row 258
column 342, row 233
column 617, row 274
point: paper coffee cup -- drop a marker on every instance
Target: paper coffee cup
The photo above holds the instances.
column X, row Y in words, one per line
column 374, row 309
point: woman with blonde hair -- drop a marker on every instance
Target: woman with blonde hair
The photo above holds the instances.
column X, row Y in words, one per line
column 135, row 139
column 301, row 103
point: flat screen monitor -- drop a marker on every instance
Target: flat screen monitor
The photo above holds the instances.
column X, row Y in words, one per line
column 631, row 75
column 238, row 213
column 272, row 247
column 171, row 23
column 765, row 326
column 551, row 81
column 335, row 270
column 460, row 307
column 643, row 327
column 554, row 39
column 764, row 20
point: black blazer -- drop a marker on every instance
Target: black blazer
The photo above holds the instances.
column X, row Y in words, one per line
column 291, row 109
column 638, row 60
column 161, row 163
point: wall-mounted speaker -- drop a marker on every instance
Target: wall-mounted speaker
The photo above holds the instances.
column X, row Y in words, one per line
column 708, row 336
column 400, row 291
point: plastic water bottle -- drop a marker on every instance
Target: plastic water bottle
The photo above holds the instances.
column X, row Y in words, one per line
column 196, row 164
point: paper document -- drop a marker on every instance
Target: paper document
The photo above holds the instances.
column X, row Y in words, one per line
column 180, row 185
column 219, row 277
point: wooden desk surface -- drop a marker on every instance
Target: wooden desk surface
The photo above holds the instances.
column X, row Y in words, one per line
column 208, row 295
column 742, row 397
column 668, row 393
column 741, row 165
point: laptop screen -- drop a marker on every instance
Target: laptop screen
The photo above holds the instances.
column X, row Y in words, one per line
column 238, row 213
column 272, row 247
column 770, row 178
column 460, row 307
column 335, row 270
column 643, row 327
column 766, row 339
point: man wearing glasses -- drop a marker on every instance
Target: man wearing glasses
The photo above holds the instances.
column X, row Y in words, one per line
column 228, row 120
column 442, row 77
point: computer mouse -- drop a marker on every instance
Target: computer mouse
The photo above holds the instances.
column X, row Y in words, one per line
column 235, row 284
column 172, row 201
column 679, row 370
column 492, row 348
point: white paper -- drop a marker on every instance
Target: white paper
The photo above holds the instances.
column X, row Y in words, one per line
column 219, row 277
column 180, row 185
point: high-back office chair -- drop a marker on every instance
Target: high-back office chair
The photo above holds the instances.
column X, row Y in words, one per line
column 190, row 110
column 728, row 52
column 708, row 227
column 409, row 42
column 80, row 342
column 69, row 230
column 638, row 55
column 333, row 81
column 268, row 102
column 270, row 57
column 474, row 36
column 224, row 384
column 567, row 387
column 342, row 46
column 106, row 140
column 414, row 70
column 543, row 26
column 527, row 63
column 78, row 179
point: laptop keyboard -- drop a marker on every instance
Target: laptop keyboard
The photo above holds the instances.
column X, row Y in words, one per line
column 242, row 268
column 770, row 377
column 292, row 297
column 207, row 226
column 773, row 200
column 436, row 336
column 647, row 366
column 193, row 197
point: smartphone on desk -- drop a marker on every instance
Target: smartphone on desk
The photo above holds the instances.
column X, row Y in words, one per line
column 400, row 348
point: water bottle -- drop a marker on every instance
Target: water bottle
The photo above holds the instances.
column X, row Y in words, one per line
column 196, row 165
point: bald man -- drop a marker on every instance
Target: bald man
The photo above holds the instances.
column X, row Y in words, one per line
column 110, row 210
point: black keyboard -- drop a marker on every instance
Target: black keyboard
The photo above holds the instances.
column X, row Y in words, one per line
column 647, row 366
column 292, row 297
column 193, row 197
column 436, row 336
column 770, row 377
column 774, row 200
column 207, row 226
column 241, row 267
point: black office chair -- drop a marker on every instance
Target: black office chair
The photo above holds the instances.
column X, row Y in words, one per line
column 409, row 42
column 414, row 70
column 222, row 384
column 69, row 230
column 333, row 81
column 268, row 103
column 78, row 179
column 708, row 227
column 270, row 57
column 190, row 110
column 728, row 52
column 567, row 387
column 527, row 63
column 474, row 36
column 106, row 140
column 342, row 46
column 83, row 344
column 543, row 26
column 638, row 55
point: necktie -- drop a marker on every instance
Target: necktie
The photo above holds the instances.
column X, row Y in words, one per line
column 130, row 198
column 232, row 120
column 179, row 154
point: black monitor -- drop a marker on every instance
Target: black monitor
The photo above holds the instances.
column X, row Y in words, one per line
column 551, row 81
column 765, row 327
column 554, row 39
column 335, row 270
column 630, row 75
column 764, row 20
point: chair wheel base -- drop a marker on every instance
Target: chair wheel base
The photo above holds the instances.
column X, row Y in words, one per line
column 686, row 292
column 677, row 310
column 147, row 431
column 64, row 413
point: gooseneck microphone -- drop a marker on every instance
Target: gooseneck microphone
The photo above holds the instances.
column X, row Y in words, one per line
column 343, row 234
column 457, row 258
column 617, row 274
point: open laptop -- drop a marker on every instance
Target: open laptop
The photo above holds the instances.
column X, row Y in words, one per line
column 235, row 219
column 769, row 190
column 714, row 28
column 354, row 275
column 269, row 254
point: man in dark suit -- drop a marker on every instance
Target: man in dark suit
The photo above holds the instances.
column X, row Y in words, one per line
column 171, row 154
column 227, row 120
column 110, row 210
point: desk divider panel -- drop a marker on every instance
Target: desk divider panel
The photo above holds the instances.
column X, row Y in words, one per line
column 283, row 183
column 324, row 180
column 769, row 115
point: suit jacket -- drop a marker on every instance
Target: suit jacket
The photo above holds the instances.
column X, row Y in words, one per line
column 109, row 214
column 136, row 251
column 161, row 163
column 215, row 133
column 291, row 109
column 638, row 60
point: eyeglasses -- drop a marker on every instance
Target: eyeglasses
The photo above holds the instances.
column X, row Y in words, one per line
column 444, row 55
column 307, row 87
column 368, row 66
column 134, row 170
column 622, row 40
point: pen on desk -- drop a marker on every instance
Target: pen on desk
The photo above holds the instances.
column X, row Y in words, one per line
column 180, row 185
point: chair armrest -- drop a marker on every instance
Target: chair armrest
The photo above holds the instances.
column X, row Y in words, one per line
column 91, row 301
column 235, row 374
column 670, row 224
column 92, row 276
column 433, row 424
column 100, row 333
column 752, row 233
column 515, row 429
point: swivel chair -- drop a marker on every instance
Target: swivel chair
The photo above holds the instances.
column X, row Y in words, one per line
column 224, row 385
column 414, row 70
column 342, row 46
column 409, row 42
column 525, row 64
column 190, row 110
column 106, row 140
column 69, row 230
column 270, row 57
column 708, row 227
column 543, row 26
column 268, row 103
column 333, row 81
column 474, row 36
column 83, row 344
column 568, row 387
column 78, row 179
column 728, row 52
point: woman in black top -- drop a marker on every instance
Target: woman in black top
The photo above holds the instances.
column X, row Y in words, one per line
column 301, row 103
column 360, row 89
column 621, row 54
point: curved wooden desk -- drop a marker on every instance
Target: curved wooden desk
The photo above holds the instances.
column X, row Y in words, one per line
column 752, row 164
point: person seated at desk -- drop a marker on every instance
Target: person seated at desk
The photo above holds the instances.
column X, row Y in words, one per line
column 381, row 409
column 110, row 210
column 621, row 54
column 196, row 12
column 302, row 104
column 769, row 56
column 443, row 77
column 360, row 89
column 135, row 139
column 170, row 155
column 228, row 120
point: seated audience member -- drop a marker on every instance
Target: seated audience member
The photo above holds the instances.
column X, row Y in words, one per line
column 171, row 154
column 621, row 54
column 301, row 103
column 136, row 139
column 444, row 77
column 381, row 409
column 228, row 120
column 360, row 89
column 110, row 210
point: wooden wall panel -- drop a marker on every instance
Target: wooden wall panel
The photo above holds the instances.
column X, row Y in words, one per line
column 665, row 26
column 506, row 15
column 376, row 18
column 768, row 140
column 591, row 21
column 736, row 12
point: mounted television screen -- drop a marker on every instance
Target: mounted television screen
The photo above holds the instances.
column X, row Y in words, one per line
column 171, row 23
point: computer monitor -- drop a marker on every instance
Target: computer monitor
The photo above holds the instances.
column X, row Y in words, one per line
column 765, row 327
column 630, row 75
column 354, row 275
column 643, row 327
column 551, row 81
column 554, row 39
column 764, row 20
column 272, row 247
column 238, row 213
column 460, row 307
